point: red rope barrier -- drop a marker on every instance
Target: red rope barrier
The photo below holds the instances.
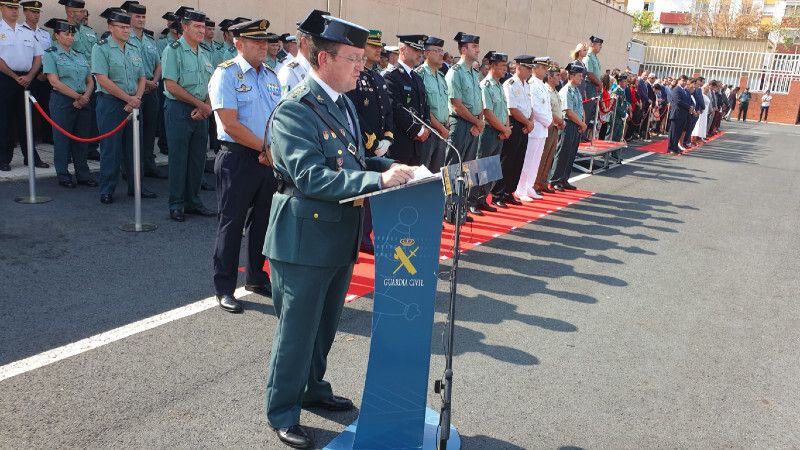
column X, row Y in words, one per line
column 72, row 136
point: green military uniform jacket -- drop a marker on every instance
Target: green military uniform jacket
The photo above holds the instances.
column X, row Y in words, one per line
column 311, row 227
column 463, row 83
column 148, row 47
column 71, row 67
column 494, row 99
column 85, row 38
column 123, row 67
column 192, row 71
column 436, row 90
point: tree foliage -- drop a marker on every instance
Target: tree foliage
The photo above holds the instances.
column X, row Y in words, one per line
column 729, row 19
column 643, row 21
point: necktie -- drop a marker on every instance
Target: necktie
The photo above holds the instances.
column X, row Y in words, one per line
column 343, row 107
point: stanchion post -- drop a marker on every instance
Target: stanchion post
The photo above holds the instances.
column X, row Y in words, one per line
column 31, row 199
column 596, row 118
column 137, row 225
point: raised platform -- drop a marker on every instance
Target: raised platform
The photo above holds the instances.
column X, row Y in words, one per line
column 589, row 151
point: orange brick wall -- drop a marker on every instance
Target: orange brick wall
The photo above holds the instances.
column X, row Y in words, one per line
column 784, row 108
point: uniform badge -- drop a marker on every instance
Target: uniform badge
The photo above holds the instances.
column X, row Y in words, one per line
column 239, row 75
column 341, row 130
column 244, row 88
column 339, row 163
column 320, row 99
column 325, row 135
column 333, row 135
column 2, row 35
column 366, row 102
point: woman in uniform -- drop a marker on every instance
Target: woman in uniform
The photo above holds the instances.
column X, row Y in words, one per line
column 69, row 73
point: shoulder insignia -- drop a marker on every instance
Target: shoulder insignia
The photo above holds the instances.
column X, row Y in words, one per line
column 293, row 64
column 131, row 44
column 102, row 41
column 218, row 45
column 511, row 81
column 205, row 46
column 456, row 67
column 175, row 44
column 51, row 49
column 299, row 91
column 269, row 68
column 149, row 33
column 226, row 64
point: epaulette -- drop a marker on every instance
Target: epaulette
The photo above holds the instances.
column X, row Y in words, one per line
column 511, row 81
column 175, row 44
column 455, row 67
column 102, row 41
column 487, row 83
column 105, row 35
column 203, row 44
column 226, row 64
column 218, row 45
column 293, row 64
column 149, row 33
column 164, row 33
column 298, row 92
column 131, row 44
column 51, row 49
column 269, row 68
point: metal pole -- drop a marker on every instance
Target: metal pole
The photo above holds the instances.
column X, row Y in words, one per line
column 596, row 115
column 31, row 198
column 137, row 225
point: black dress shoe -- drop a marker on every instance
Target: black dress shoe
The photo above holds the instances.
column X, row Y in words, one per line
column 547, row 190
column 558, row 187
column 566, row 185
column 207, row 186
column 333, row 403
column 265, row 290
column 483, row 206
column 176, row 215
column 41, row 165
column 145, row 194
column 294, row 436
column 499, row 203
column 470, row 219
column 90, row 182
column 106, row 199
column 229, row 303
column 367, row 247
column 67, row 183
column 202, row 211
column 510, row 200
column 5, row 168
column 476, row 211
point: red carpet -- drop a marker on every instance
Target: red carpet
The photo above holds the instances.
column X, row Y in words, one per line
column 599, row 146
column 473, row 234
column 661, row 146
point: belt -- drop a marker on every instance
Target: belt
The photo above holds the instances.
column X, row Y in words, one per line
column 286, row 188
column 234, row 147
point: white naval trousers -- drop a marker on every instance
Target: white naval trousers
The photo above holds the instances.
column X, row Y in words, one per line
column 530, row 167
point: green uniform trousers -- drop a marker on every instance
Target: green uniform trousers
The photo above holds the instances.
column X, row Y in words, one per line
column 188, row 141
column 308, row 301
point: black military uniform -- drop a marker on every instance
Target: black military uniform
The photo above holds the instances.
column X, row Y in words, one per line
column 408, row 91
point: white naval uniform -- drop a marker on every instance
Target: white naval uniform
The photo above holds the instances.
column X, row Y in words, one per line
column 18, row 47
column 542, row 118
column 293, row 72
column 41, row 35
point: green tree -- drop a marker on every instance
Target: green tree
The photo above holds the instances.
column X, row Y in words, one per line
column 643, row 21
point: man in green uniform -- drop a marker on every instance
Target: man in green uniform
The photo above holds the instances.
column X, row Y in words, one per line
column 216, row 47
column 497, row 129
column 436, row 92
column 312, row 240
column 85, row 37
column 228, row 47
column 466, row 109
column 119, row 70
column 273, row 47
column 187, row 69
column 151, row 59
column 591, row 82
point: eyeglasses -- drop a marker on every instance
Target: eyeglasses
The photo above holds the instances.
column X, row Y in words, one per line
column 435, row 50
column 353, row 59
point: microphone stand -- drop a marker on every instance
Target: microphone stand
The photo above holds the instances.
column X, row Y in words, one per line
column 445, row 385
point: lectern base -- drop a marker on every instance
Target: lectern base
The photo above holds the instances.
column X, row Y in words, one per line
column 345, row 440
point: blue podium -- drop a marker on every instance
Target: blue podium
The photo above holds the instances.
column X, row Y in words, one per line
column 407, row 222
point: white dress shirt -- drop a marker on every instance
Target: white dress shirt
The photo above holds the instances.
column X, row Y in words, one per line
column 540, row 104
column 18, row 47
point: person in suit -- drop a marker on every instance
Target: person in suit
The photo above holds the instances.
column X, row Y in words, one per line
column 407, row 90
column 700, row 108
column 680, row 109
column 312, row 241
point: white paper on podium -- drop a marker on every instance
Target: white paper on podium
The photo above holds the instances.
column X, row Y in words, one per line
column 421, row 175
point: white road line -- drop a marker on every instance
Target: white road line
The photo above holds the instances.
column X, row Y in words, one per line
column 84, row 345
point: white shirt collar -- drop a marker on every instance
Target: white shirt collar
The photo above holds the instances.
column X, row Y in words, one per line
column 243, row 64
column 302, row 61
column 328, row 90
column 4, row 24
column 405, row 67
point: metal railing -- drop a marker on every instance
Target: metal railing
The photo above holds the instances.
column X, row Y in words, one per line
column 773, row 71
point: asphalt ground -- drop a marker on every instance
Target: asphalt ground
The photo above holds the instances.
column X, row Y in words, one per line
column 659, row 313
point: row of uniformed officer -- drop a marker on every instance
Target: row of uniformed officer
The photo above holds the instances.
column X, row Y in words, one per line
column 437, row 99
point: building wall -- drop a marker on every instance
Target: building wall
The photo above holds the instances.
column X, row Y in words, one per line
column 703, row 42
column 784, row 108
column 536, row 27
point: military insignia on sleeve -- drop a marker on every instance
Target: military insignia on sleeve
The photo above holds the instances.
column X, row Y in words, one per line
column 244, row 88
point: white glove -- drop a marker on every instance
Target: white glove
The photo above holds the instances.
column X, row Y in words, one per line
column 382, row 148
